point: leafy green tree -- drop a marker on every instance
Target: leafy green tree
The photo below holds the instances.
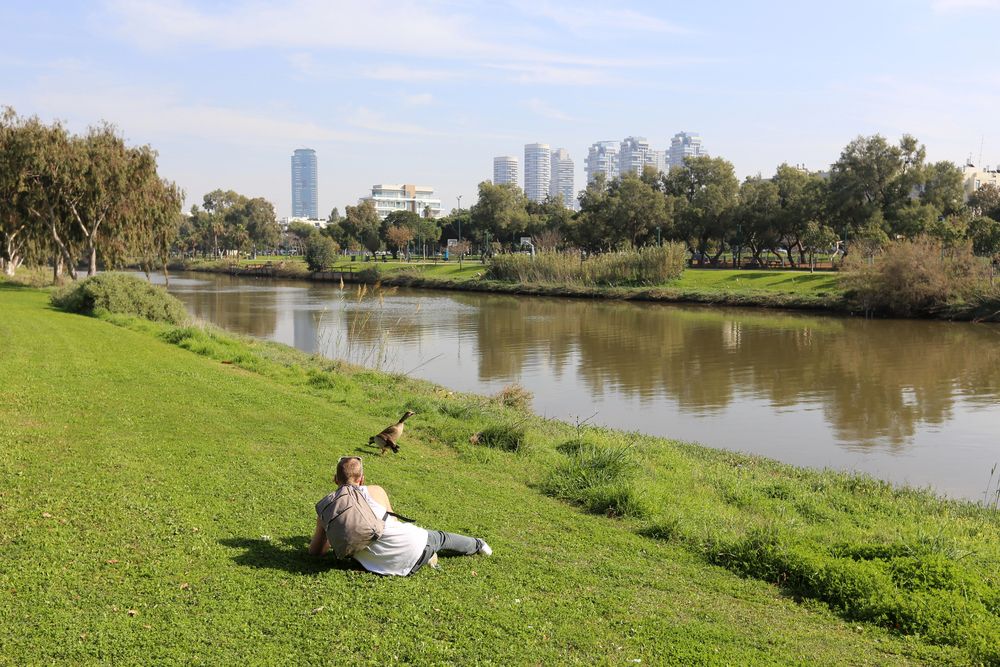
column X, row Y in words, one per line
column 501, row 210
column 801, row 199
column 362, row 225
column 986, row 201
column 817, row 238
column 334, row 217
column 261, row 223
column 321, row 252
column 943, row 188
column 637, row 210
column 985, row 234
column 757, row 217
column 705, row 191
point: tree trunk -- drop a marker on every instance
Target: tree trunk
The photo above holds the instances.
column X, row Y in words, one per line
column 92, row 263
column 57, row 268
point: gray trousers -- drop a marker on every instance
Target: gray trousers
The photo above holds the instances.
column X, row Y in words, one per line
column 447, row 544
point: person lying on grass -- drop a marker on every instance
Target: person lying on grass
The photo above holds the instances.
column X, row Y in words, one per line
column 403, row 547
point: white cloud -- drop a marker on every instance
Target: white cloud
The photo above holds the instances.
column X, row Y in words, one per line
column 406, row 74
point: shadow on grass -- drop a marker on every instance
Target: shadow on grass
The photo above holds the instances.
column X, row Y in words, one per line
column 287, row 553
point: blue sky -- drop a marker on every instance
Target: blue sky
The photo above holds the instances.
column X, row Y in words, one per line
column 429, row 92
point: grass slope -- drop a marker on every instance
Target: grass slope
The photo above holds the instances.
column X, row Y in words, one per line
column 155, row 507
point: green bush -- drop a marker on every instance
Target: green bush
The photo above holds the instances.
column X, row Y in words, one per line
column 652, row 265
column 122, row 294
column 915, row 277
column 321, row 251
column 371, row 275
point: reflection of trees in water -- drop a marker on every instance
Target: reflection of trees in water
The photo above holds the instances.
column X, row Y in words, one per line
column 875, row 380
column 251, row 310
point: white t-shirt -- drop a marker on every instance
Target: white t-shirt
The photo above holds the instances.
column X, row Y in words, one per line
column 399, row 548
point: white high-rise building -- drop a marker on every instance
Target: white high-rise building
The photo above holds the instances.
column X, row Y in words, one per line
column 658, row 159
column 633, row 155
column 561, row 179
column 405, row 197
column 537, row 170
column 684, row 145
column 602, row 158
column 505, row 170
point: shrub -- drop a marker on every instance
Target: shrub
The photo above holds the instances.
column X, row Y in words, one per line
column 321, row 251
column 502, row 436
column 514, row 396
column 652, row 265
column 915, row 277
column 122, row 294
column 371, row 275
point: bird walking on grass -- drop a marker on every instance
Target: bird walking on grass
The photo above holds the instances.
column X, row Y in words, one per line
column 389, row 438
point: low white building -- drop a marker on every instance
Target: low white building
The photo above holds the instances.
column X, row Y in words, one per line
column 413, row 198
column 976, row 178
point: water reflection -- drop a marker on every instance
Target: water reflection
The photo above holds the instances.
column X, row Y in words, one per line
column 804, row 388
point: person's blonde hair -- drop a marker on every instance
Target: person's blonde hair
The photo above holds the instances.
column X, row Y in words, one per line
column 349, row 470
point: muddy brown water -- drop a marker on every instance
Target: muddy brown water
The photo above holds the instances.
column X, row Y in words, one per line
column 912, row 402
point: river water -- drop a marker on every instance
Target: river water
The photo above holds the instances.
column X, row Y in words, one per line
column 912, row 402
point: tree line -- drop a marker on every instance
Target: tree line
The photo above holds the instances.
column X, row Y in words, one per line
column 79, row 200
column 875, row 191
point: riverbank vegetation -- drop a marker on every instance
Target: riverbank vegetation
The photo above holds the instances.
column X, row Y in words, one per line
column 651, row 265
column 187, row 500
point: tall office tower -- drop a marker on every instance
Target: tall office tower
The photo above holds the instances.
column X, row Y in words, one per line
column 633, row 155
column 537, row 171
column 561, row 179
column 684, row 145
column 602, row 158
column 505, row 170
column 305, row 198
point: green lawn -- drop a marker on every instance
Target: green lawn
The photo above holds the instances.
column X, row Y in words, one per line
column 693, row 280
column 155, row 506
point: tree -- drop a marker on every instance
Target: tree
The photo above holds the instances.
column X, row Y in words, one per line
column 757, row 217
column 706, row 192
column 399, row 238
column 362, row 225
column 261, row 223
column 986, row 201
column 637, row 209
column 501, row 210
column 334, row 217
column 985, row 234
column 817, row 238
column 943, row 188
column 801, row 199
column 872, row 176
column 321, row 251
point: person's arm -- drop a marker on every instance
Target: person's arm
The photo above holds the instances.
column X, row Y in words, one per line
column 319, row 545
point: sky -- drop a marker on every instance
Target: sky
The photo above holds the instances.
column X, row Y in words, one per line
column 429, row 92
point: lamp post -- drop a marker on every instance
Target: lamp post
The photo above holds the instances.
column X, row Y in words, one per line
column 459, row 218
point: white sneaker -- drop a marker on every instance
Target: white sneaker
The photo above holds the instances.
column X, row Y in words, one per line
column 484, row 549
column 433, row 562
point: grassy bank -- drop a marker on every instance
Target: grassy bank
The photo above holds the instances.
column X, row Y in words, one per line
column 767, row 289
column 156, row 504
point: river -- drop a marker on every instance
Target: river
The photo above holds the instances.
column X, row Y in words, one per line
column 912, row 402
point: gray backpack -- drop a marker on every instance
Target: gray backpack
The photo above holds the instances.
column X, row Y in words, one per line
column 350, row 523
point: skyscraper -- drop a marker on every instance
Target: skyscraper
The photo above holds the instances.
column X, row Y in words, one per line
column 684, row 145
column 561, row 178
column 505, row 170
column 633, row 155
column 537, row 171
column 602, row 158
column 305, row 198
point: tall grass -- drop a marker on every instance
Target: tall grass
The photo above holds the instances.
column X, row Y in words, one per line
column 651, row 265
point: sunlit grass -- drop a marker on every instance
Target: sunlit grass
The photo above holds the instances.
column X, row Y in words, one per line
column 157, row 497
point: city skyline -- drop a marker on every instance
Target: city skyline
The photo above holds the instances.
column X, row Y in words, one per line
column 224, row 92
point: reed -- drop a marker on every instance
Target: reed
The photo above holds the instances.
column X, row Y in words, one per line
column 653, row 265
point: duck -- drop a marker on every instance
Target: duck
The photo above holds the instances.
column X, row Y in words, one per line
column 389, row 437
